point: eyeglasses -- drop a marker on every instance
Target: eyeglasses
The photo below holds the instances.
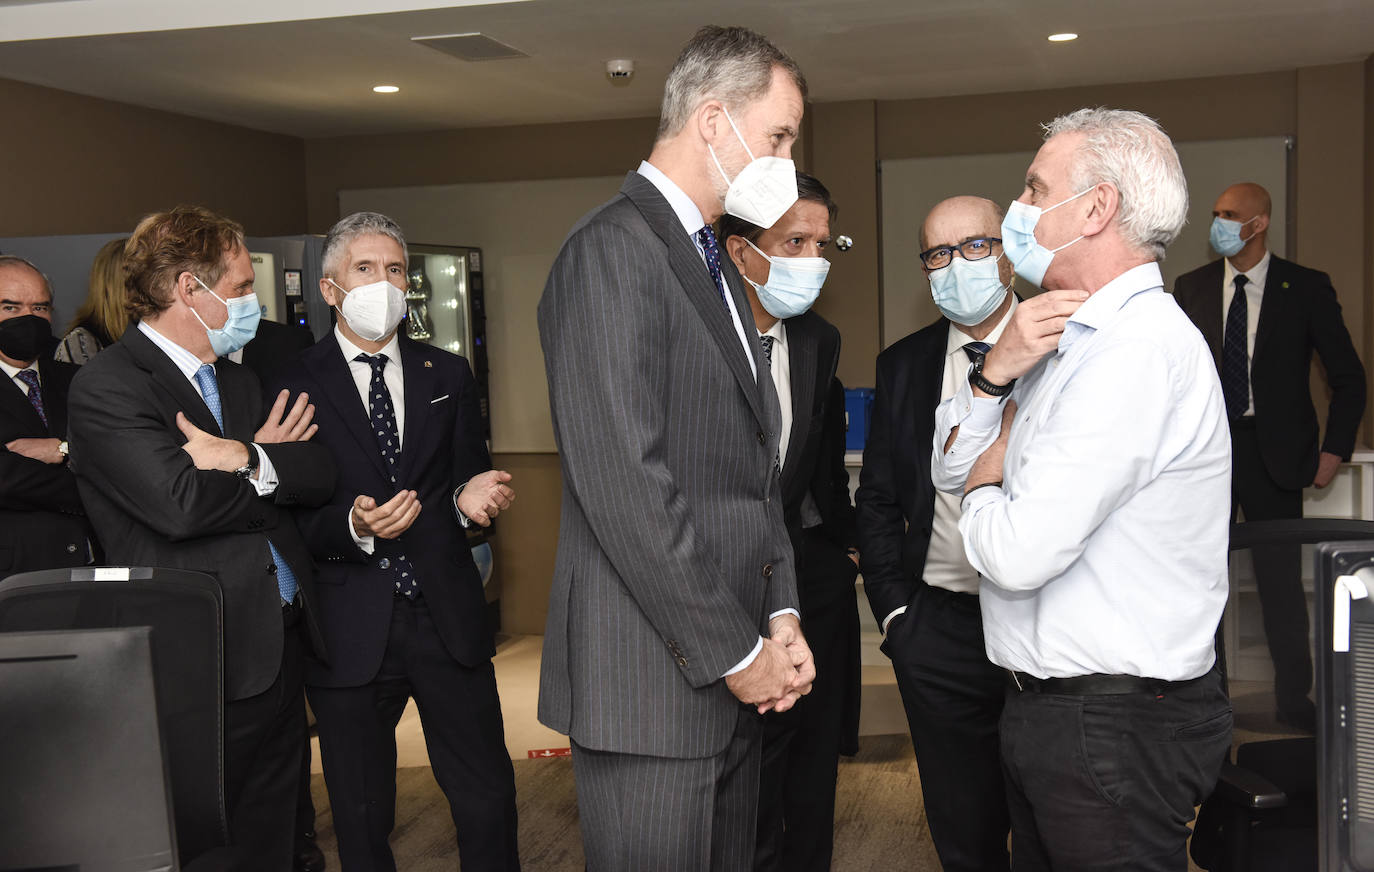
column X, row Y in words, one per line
column 940, row 256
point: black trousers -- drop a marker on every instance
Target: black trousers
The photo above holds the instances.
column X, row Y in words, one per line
column 802, row 746
column 263, row 737
column 461, row 715
column 667, row 814
column 1278, row 569
column 1110, row 782
column 953, row 698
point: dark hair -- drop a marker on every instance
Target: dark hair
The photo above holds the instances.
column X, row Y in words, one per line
column 731, row 64
column 166, row 244
column 808, row 188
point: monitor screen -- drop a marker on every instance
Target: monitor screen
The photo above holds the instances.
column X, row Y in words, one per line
column 81, row 755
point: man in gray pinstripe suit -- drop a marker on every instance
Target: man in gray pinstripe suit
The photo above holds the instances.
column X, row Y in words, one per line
column 673, row 617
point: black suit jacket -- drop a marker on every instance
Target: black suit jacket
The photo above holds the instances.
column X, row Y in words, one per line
column 274, row 348
column 815, row 452
column 442, row 447
column 152, row 507
column 42, row 522
column 896, row 500
column 1299, row 314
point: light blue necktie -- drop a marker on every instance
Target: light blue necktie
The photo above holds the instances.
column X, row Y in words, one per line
column 209, row 388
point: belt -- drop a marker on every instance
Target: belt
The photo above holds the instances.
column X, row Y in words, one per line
column 1093, row 685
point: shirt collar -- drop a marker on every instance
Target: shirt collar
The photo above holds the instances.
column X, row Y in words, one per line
column 777, row 331
column 184, row 360
column 1256, row 274
column 1099, row 309
column 687, row 212
column 12, row 371
column 392, row 349
column 958, row 338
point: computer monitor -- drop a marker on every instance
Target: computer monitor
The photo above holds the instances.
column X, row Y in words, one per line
column 82, row 778
column 1345, row 705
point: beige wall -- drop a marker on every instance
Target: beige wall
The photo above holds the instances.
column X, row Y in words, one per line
column 73, row 164
column 526, row 536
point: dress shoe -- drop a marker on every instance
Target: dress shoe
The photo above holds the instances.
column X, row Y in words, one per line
column 308, row 856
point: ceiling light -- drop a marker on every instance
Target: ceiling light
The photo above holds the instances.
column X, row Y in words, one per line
column 385, row 89
column 1062, row 37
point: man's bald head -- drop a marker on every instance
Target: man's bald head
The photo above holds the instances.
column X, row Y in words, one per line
column 963, row 212
column 1252, row 197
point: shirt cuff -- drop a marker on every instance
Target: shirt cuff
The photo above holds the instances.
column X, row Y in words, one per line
column 365, row 543
column 462, row 518
column 900, row 610
column 758, row 647
column 266, row 482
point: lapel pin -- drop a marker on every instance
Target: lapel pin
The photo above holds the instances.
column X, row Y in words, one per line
column 1285, row 284
column 429, row 364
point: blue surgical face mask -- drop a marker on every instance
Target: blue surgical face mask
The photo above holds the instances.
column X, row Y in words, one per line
column 1225, row 236
column 1029, row 258
column 240, row 327
column 793, row 283
column 968, row 291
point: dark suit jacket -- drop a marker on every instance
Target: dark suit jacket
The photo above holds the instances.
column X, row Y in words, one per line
column 815, row 452
column 152, row 507
column 442, row 448
column 42, row 522
column 274, row 348
column 672, row 550
column 1299, row 314
column 896, row 500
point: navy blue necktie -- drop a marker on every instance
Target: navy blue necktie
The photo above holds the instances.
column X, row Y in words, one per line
column 707, row 237
column 1235, row 356
column 975, row 350
column 30, row 378
column 209, row 389
column 381, row 413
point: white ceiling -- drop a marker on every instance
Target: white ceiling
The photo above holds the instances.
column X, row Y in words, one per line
column 312, row 76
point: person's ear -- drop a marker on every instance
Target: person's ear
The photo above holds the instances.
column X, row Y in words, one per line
column 330, row 293
column 185, row 286
column 735, row 247
column 1106, row 201
column 709, row 118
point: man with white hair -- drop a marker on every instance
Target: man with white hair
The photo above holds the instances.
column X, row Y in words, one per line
column 1098, row 521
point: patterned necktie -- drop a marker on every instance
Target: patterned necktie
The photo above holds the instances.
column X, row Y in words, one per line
column 767, row 342
column 381, row 413
column 975, row 350
column 30, row 378
column 707, row 237
column 1235, row 357
column 209, row 389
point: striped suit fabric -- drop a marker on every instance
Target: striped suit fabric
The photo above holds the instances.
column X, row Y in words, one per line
column 672, row 547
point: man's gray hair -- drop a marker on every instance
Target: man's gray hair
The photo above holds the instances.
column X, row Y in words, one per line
column 14, row 260
column 1132, row 152
column 731, row 64
column 349, row 228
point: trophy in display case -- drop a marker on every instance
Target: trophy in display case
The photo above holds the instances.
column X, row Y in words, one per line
column 418, row 325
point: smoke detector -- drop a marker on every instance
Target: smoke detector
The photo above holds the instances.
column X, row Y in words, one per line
column 620, row 71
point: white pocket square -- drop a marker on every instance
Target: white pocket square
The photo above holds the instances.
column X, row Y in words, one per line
column 438, row 399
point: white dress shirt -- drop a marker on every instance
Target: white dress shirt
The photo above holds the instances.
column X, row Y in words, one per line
column 1254, row 296
column 690, row 217
column 265, row 482
column 1104, row 551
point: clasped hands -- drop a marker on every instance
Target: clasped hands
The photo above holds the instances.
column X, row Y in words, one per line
column 484, row 496
column 782, row 672
column 227, row 455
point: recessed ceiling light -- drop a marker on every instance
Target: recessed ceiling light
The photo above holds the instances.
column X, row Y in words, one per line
column 385, row 89
column 1062, row 37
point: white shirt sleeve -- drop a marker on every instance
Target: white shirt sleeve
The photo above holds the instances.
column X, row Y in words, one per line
column 266, row 481
column 1099, row 444
column 758, row 647
column 365, row 543
column 979, row 420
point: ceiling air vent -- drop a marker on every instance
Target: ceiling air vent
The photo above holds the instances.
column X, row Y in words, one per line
column 470, row 46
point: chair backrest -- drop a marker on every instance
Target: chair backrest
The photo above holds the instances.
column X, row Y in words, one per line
column 1345, row 704
column 185, row 611
column 85, row 781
